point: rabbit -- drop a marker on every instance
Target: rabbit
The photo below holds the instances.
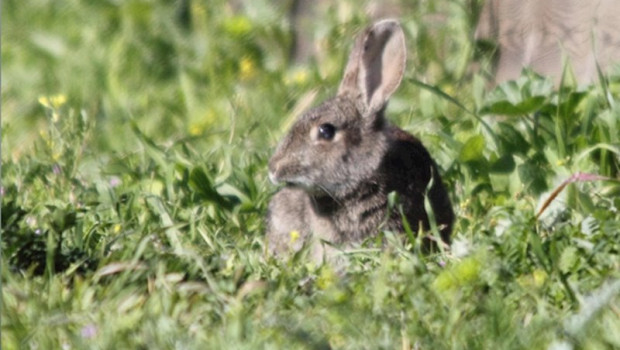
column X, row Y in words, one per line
column 340, row 160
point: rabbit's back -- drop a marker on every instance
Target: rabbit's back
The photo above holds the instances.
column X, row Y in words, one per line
column 409, row 168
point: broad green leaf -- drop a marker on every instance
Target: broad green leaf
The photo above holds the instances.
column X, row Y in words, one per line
column 523, row 96
column 532, row 177
column 504, row 164
column 526, row 106
column 511, row 140
column 472, row 149
column 568, row 258
column 200, row 182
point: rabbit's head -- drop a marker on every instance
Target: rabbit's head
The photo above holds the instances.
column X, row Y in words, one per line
column 341, row 142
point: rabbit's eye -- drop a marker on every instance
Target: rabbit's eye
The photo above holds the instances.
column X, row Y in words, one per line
column 327, row 131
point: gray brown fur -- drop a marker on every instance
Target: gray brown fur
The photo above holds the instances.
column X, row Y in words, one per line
column 338, row 189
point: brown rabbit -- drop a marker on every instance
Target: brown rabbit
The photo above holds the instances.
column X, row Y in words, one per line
column 341, row 159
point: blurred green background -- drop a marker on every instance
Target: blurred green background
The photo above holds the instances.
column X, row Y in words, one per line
column 194, row 69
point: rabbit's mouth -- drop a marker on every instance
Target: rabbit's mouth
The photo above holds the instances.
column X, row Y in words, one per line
column 311, row 189
column 301, row 183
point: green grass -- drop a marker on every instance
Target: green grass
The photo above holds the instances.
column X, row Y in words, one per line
column 135, row 137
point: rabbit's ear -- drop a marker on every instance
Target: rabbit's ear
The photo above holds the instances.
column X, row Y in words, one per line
column 376, row 65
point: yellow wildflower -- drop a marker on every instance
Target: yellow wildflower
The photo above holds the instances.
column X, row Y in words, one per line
column 534, row 280
column 238, row 26
column 247, row 68
column 327, row 277
column 298, row 76
column 196, row 129
column 294, row 236
column 54, row 102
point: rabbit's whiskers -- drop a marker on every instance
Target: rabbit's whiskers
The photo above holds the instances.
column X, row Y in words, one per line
column 331, row 195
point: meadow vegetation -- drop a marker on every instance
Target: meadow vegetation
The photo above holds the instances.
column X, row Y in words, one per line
column 135, row 137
